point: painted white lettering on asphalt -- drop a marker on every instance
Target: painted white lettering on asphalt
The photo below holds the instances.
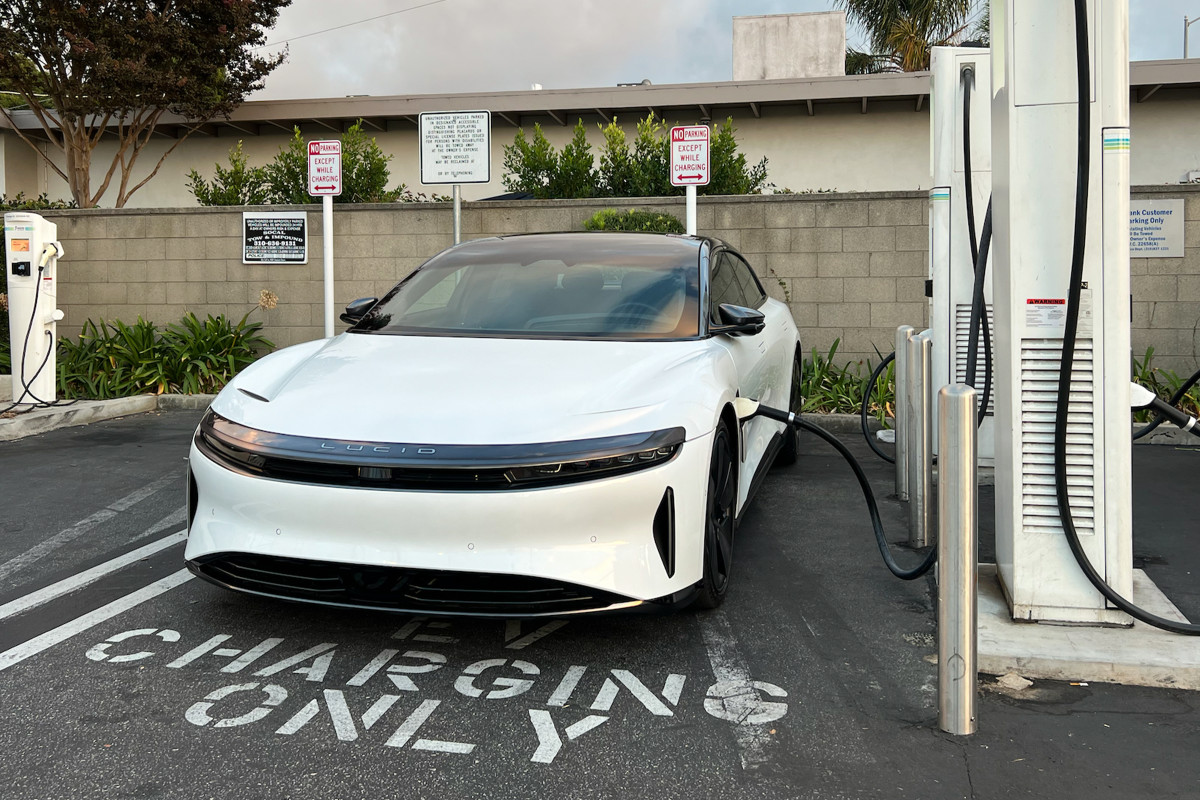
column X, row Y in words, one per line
column 314, row 673
column 87, row 577
column 510, row 687
column 84, row 525
column 608, row 692
column 339, row 713
column 250, row 656
column 739, row 701
column 413, row 625
column 413, row 723
column 398, row 673
column 100, row 652
column 562, row 693
column 732, row 701
column 549, row 742
column 32, row 647
column 512, row 630
column 198, row 713
column 372, row 668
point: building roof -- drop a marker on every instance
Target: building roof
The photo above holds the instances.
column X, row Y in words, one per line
column 682, row 101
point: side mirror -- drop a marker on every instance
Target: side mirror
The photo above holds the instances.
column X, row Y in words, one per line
column 358, row 309
column 738, row 320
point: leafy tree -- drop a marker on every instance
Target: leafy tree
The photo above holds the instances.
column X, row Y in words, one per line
column 640, row 170
column 529, row 166
column 364, row 171
column 729, row 173
column 573, row 174
column 239, row 185
column 901, row 33
column 121, row 66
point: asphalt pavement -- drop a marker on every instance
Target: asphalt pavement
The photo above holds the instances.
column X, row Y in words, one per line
column 816, row 679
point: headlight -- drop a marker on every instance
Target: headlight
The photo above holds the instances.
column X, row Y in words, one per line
column 392, row 465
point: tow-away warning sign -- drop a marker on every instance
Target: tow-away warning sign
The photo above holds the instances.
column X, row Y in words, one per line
column 689, row 155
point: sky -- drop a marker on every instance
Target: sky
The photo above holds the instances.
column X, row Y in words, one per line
column 444, row 46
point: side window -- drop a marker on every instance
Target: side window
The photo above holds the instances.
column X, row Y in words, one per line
column 751, row 289
column 724, row 286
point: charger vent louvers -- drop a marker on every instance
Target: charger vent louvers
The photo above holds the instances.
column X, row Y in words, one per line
column 962, row 339
column 664, row 531
column 1039, row 393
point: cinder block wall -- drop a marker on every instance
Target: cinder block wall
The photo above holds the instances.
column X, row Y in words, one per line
column 852, row 266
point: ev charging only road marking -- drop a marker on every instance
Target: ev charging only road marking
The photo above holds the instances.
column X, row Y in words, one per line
column 490, row 682
column 87, row 577
column 735, row 696
column 72, row 533
column 37, row 644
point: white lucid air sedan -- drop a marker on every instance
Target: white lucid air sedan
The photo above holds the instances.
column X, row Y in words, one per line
column 527, row 425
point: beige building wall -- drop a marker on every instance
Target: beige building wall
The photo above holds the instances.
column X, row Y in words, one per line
column 852, row 267
column 837, row 148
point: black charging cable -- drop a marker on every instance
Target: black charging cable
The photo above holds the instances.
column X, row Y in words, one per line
column 796, row 421
column 1083, row 69
column 979, row 257
column 1162, row 416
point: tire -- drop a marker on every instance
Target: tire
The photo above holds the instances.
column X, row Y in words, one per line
column 720, row 521
column 791, row 438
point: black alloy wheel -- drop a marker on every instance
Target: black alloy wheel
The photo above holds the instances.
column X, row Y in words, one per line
column 791, row 438
column 719, row 521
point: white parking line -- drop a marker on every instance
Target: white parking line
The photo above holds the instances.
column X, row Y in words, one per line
column 32, row 647
column 730, row 669
column 76, row 582
column 83, row 526
column 171, row 520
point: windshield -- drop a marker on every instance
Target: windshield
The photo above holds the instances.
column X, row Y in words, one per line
column 607, row 286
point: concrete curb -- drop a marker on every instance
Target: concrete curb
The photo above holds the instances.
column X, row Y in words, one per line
column 80, row 413
column 86, row 411
column 1138, row 656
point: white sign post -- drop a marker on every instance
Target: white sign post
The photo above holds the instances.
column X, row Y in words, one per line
column 325, row 181
column 689, row 164
column 456, row 148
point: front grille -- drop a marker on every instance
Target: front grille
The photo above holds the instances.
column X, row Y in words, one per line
column 400, row 589
column 396, row 466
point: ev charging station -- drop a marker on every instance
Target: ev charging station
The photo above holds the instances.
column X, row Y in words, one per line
column 957, row 71
column 32, row 249
column 1035, row 138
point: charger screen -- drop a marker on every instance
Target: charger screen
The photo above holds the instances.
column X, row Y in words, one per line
column 20, row 245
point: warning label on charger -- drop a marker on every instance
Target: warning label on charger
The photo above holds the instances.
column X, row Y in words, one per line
column 1051, row 312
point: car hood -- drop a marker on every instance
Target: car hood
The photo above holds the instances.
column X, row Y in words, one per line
column 461, row 390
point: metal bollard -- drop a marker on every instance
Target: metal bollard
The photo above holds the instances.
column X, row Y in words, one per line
column 903, row 334
column 958, row 562
column 919, row 440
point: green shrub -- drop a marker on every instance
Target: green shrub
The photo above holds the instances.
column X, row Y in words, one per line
column 1165, row 383
column 364, row 171
column 239, row 185
column 828, row 389
column 118, row 360
column 609, row 219
column 640, row 170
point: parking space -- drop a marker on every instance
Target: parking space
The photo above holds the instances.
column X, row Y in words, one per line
column 815, row 679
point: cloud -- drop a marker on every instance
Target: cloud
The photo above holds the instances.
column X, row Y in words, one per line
column 504, row 45
column 499, row 45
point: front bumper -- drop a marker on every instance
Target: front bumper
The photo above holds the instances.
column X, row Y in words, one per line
column 587, row 546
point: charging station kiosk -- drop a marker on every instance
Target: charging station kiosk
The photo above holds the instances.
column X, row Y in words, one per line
column 32, row 250
column 951, row 264
column 1035, row 142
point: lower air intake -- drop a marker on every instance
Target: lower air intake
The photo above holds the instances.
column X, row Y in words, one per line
column 394, row 588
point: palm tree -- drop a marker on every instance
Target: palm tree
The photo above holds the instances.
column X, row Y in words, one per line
column 901, row 33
